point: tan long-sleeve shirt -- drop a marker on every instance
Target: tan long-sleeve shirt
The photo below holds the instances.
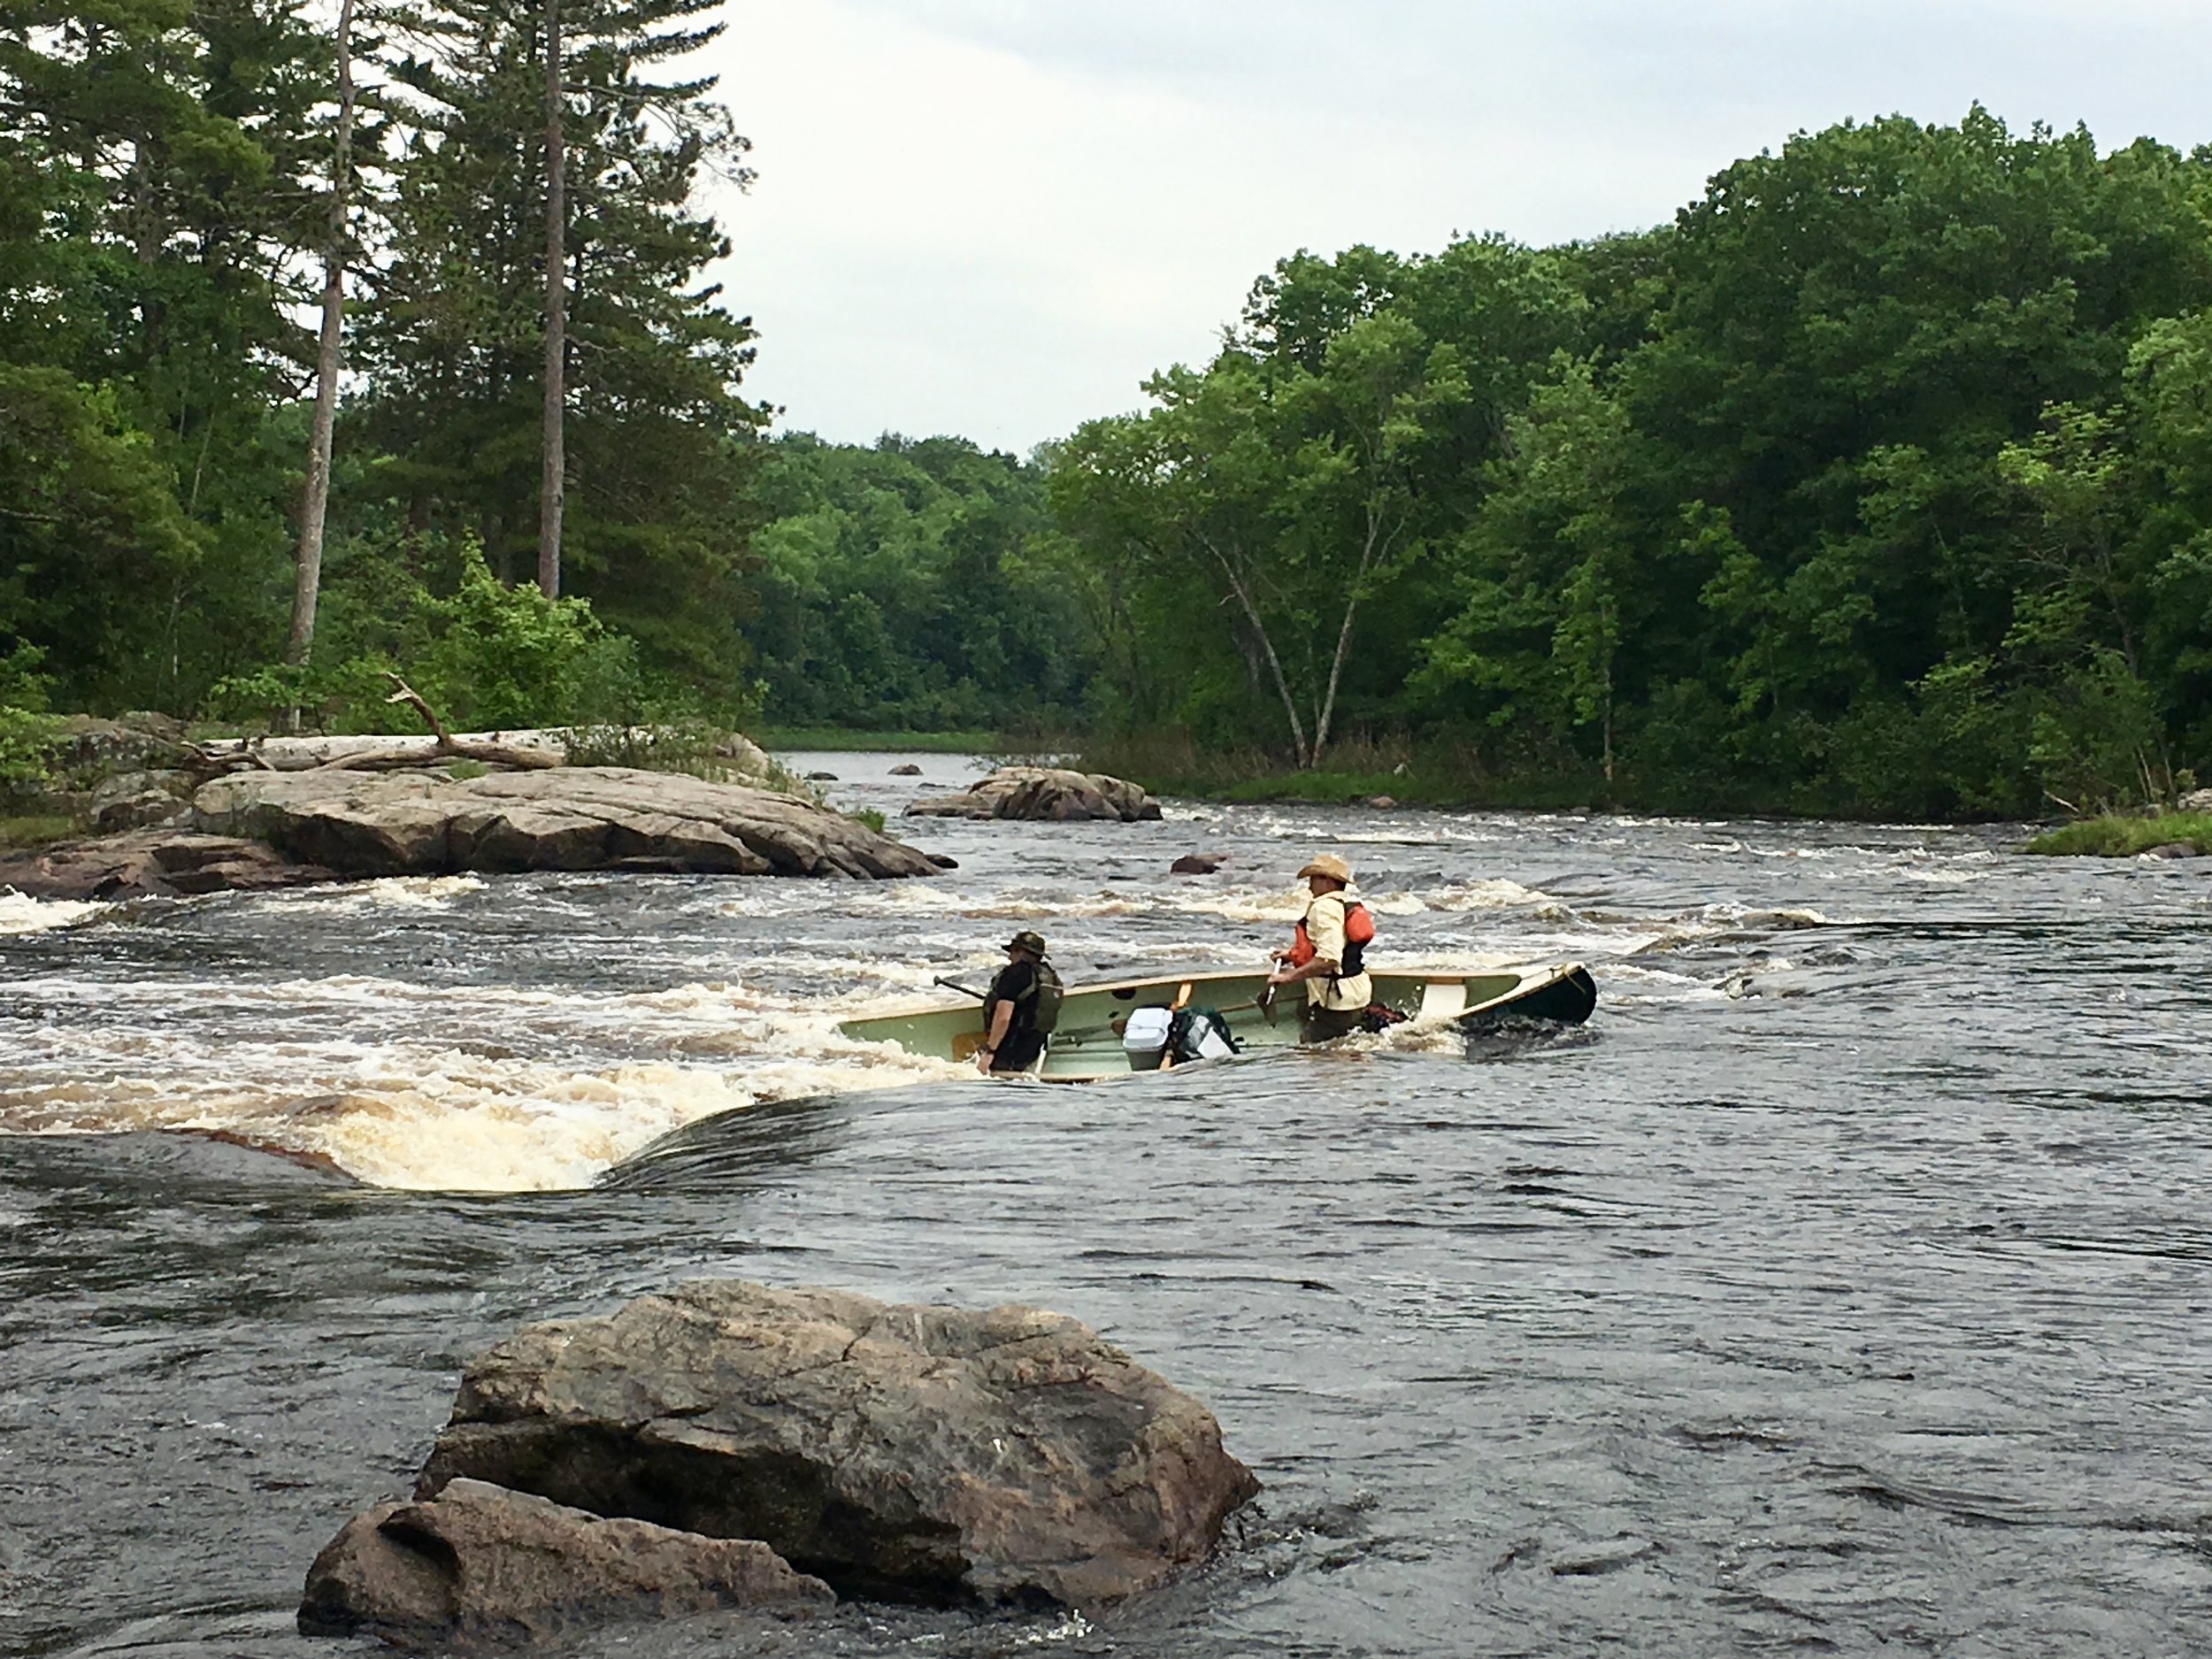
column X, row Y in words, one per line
column 1325, row 926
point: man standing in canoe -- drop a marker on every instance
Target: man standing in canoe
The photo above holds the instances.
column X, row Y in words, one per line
column 1337, row 990
column 1020, row 1009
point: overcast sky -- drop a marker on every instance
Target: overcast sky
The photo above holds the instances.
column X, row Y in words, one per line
column 996, row 218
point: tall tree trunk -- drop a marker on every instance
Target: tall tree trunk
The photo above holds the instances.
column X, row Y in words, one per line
column 1267, row 645
column 1376, row 546
column 307, row 586
column 549, row 497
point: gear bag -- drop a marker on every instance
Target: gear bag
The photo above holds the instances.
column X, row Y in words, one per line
column 1049, row 994
column 1200, row 1033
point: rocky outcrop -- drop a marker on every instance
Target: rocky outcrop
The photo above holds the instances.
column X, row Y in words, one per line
column 479, row 1563
column 916, row 1452
column 577, row 817
column 1048, row 792
column 155, row 863
column 2196, row 801
column 255, row 829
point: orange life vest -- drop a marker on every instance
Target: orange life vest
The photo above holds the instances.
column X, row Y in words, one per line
column 1359, row 933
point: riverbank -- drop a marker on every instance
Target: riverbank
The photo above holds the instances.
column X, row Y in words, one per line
column 840, row 740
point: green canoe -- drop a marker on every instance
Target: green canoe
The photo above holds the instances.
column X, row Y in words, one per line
column 1087, row 1044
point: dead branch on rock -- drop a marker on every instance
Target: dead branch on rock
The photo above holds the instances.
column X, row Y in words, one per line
column 446, row 746
column 401, row 692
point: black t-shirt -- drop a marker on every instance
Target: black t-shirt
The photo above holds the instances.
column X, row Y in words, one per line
column 1015, row 983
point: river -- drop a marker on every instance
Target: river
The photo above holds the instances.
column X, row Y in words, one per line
column 1841, row 1287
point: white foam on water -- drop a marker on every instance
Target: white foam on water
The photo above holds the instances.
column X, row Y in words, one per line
column 420, row 1116
column 387, row 893
column 1496, row 894
column 21, row 914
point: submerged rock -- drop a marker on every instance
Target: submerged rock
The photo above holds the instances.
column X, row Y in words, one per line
column 906, row 769
column 1198, row 863
column 1051, row 792
column 479, row 1562
column 916, row 1452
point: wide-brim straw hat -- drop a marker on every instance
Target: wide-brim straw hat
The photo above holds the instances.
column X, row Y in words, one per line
column 1327, row 864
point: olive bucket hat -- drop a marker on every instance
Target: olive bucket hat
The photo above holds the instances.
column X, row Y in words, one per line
column 1033, row 944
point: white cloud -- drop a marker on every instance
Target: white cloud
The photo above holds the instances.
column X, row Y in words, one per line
column 995, row 216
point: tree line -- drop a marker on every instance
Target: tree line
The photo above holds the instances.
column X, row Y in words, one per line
column 1879, row 480
column 327, row 343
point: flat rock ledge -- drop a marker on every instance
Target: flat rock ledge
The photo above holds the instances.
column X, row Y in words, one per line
column 926, row 1454
column 482, row 1565
column 1048, row 792
column 259, row 829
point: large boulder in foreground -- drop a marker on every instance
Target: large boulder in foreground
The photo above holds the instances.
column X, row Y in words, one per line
column 482, row 1564
column 572, row 817
column 1051, row 792
column 913, row 1453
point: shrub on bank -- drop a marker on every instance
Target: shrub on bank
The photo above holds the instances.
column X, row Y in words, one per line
column 2116, row 837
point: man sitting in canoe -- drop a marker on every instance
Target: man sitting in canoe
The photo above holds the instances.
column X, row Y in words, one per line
column 1020, row 1010
column 1323, row 959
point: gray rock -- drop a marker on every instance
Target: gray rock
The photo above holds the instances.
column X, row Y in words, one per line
column 576, row 818
column 1198, row 863
column 150, row 810
column 138, row 800
column 1049, row 793
column 2196, row 801
column 919, row 1452
column 136, row 742
column 906, row 769
column 2169, row 850
column 481, row 1564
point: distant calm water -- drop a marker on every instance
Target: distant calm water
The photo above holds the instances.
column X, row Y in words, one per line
column 1841, row 1289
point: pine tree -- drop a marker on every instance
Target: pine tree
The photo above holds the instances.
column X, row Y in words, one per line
column 642, row 385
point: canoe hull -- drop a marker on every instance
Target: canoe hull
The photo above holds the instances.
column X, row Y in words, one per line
column 1088, row 1047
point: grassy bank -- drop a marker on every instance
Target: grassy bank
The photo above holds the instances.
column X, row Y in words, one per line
column 25, row 833
column 839, row 739
column 2111, row 837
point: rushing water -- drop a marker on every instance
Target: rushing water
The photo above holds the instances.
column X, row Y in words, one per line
column 1841, row 1287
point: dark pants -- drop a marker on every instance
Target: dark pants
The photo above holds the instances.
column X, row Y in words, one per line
column 1018, row 1052
column 1326, row 1025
